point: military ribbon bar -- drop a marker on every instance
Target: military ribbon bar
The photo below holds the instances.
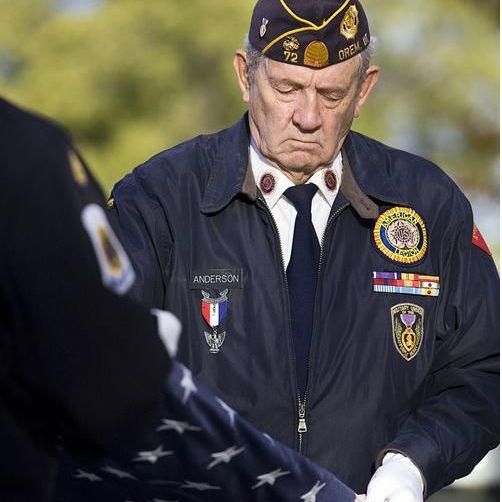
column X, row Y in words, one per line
column 407, row 283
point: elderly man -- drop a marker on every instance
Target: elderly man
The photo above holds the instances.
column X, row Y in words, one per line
column 333, row 290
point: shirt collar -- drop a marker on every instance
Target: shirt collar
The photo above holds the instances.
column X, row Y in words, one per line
column 230, row 173
column 272, row 182
column 329, row 179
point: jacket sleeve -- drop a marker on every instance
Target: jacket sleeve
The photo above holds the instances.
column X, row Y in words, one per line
column 144, row 231
column 87, row 360
column 455, row 421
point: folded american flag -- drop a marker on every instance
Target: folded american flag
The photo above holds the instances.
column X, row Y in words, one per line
column 201, row 450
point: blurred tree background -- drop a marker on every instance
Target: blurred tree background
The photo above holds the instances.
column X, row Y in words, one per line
column 130, row 78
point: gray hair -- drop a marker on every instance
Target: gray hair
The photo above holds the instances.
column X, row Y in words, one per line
column 366, row 56
column 255, row 58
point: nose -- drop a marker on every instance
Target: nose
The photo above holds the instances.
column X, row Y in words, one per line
column 307, row 114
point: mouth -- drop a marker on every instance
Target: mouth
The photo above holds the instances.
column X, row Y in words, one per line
column 305, row 141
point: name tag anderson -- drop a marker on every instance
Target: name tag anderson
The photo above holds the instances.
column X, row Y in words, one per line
column 216, row 278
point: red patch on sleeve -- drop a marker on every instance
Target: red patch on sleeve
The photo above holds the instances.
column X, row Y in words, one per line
column 478, row 240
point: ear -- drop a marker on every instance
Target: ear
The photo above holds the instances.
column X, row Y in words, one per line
column 367, row 86
column 241, row 70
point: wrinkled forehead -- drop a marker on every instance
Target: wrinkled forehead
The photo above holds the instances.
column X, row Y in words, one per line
column 309, row 33
column 342, row 75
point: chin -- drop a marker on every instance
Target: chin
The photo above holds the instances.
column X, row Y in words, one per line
column 301, row 161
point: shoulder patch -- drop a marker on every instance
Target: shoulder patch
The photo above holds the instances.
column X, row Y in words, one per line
column 479, row 241
column 116, row 269
column 400, row 235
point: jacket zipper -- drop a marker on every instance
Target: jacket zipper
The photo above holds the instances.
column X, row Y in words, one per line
column 300, row 406
column 301, row 403
column 330, row 219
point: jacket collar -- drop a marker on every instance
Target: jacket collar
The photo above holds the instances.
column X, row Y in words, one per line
column 370, row 168
column 230, row 173
column 365, row 165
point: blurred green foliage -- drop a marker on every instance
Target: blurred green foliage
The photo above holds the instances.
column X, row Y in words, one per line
column 131, row 78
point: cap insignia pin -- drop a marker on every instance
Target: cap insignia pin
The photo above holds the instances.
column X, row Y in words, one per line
column 291, row 45
column 263, row 27
column 350, row 23
column 316, row 55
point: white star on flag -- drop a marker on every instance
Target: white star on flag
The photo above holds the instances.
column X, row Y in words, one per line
column 311, row 496
column 272, row 442
column 90, row 476
column 153, row 455
column 187, row 384
column 117, row 472
column 269, row 478
column 175, row 425
column 231, row 413
column 225, row 456
column 199, row 486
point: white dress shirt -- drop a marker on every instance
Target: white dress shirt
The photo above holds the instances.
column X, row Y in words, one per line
column 283, row 212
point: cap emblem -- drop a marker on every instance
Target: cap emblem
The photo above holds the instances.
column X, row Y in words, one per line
column 291, row 44
column 316, row 55
column 263, row 27
column 350, row 23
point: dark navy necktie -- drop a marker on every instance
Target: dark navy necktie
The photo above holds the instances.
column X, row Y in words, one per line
column 302, row 274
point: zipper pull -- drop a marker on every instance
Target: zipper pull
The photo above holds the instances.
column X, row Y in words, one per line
column 302, row 422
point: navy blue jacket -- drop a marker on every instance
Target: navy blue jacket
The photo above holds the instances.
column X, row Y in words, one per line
column 201, row 237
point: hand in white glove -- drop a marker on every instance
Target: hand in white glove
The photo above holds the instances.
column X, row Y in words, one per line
column 396, row 480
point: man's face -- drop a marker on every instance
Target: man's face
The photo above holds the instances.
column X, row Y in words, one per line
column 300, row 116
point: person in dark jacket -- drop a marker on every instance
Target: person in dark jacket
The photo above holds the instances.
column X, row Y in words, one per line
column 335, row 291
column 85, row 368
column 75, row 353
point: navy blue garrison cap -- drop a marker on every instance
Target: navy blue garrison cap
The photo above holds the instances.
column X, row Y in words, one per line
column 313, row 33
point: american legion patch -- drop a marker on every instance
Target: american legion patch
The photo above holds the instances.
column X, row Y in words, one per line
column 400, row 235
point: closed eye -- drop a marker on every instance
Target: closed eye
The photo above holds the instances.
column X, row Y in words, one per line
column 285, row 91
column 331, row 97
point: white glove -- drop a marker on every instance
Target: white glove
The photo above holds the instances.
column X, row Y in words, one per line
column 169, row 328
column 396, row 480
